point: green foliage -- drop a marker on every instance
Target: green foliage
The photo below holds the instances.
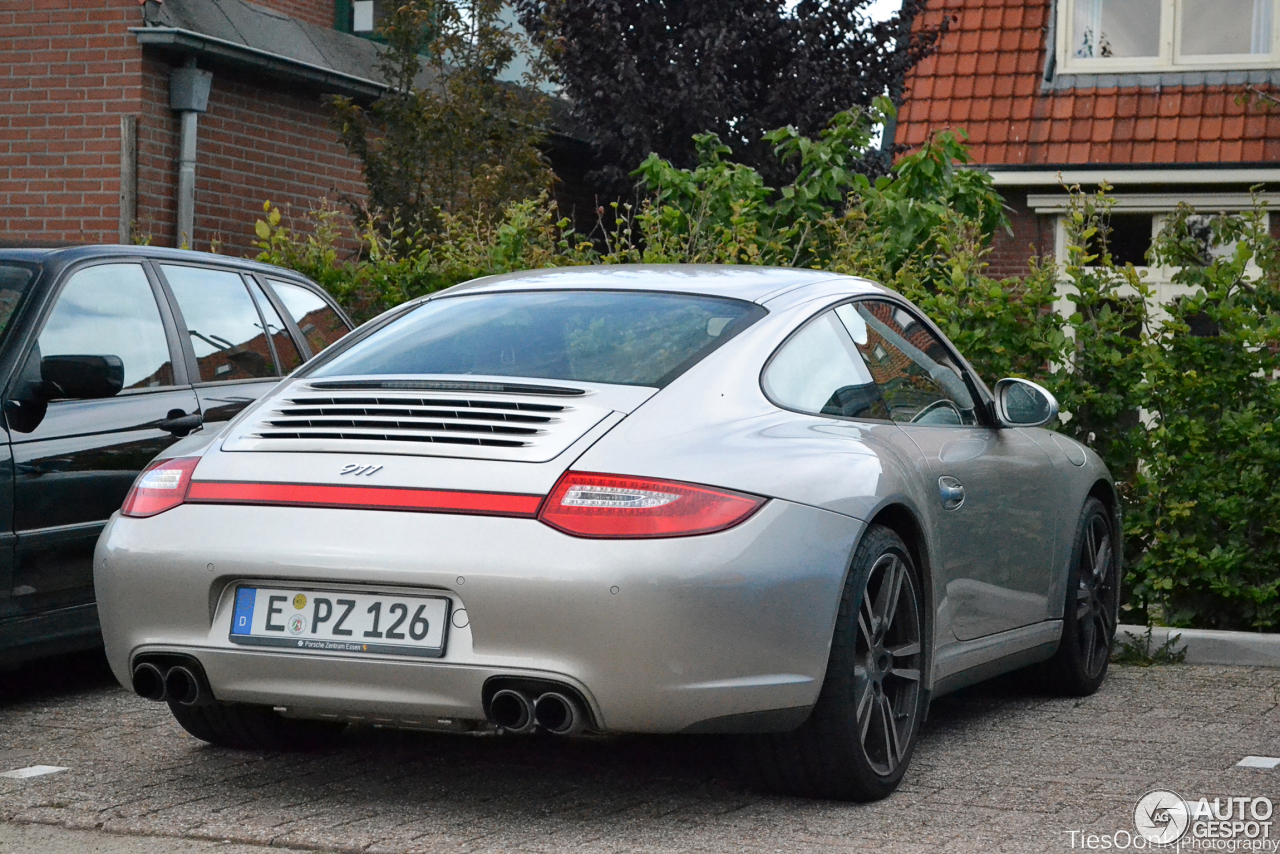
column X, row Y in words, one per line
column 528, row 234
column 1138, row 651
column 1179, row 400
column 448, row 136
column 1206, row 517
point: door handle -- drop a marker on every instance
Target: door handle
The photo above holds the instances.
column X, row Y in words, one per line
column 179, row 423
column 951, row 492
column 46, row 466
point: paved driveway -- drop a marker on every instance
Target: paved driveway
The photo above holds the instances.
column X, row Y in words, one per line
column 998, row 769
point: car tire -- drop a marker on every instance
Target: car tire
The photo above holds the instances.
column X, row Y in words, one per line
column 243, row 727
column 1091, row 610
column 858, row 741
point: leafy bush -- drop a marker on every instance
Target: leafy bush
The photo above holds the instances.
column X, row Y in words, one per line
column 1206, row 513
column 1188, row 423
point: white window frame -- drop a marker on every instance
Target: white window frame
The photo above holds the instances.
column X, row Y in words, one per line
column 1168, row 58
column 1160, row 206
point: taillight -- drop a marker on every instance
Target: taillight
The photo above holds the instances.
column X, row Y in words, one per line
column 162, row 486
column 610, row 506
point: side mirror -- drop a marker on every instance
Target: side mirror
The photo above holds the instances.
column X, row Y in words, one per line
column 1022, row 403
column 81, row 377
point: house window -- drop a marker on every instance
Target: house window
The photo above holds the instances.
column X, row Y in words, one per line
column 1144, row 35
column 1128, row 236
column 361, row 17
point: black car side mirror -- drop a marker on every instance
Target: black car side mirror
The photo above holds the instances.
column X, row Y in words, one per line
column 81, row 377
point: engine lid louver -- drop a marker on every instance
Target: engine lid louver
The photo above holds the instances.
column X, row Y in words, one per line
column 516, row 425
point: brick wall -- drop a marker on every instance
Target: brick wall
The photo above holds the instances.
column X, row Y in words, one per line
column 318, row 12
column 1032, row 236
column 257, row 142
column 68, row 71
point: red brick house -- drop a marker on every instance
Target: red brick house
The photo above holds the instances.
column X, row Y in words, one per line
column 1141, row 94
column 93, row 95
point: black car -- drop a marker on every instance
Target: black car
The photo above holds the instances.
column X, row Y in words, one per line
column 108, row 354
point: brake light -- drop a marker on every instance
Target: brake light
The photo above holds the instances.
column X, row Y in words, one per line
column 162, row 486
column 609, row 506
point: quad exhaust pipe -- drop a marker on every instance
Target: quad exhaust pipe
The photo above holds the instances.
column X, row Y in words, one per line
column 512, row 710
column 559, row 713
column 521, row 712
column 148, row 681
column 177, row 683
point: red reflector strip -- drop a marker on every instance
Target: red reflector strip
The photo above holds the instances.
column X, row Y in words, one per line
column 364, row 498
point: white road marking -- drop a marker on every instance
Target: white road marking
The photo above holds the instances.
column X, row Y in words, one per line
column 1258, row 762
column 32, row 771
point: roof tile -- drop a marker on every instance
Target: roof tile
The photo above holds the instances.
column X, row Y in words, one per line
column 1166, row 152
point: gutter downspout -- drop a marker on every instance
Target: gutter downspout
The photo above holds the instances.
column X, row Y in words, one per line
column 189, row 96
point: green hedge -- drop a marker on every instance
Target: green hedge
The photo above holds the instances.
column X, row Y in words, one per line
column 1187, row 422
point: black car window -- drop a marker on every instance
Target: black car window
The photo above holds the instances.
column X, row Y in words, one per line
column 110, row 310
column 222, row 322
column 14, row 279
column 286, row 351
column 819, row 371
column 917, row 376
column 623, row 337
column 320, row 324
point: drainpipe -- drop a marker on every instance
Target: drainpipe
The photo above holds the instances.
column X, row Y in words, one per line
column 189, row 96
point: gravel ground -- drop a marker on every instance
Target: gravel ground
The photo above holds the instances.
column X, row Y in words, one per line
column 999, row 768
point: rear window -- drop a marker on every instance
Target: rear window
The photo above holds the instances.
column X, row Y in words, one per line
column 621, row 337
column 14, row 279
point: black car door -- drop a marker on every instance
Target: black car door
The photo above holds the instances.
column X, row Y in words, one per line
column 237, row 343
column 75, row 461
column 15, row 280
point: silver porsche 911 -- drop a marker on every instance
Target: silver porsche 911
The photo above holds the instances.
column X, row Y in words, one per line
column 625, row 499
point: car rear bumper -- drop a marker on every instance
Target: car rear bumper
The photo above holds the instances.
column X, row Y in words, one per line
column 658, row 635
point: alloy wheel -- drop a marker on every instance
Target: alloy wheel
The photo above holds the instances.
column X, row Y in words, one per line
column 1095, row 595
column 888, row 660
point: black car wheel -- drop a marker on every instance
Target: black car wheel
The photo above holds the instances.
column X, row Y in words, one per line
column 1090, row 612
column 858, row 741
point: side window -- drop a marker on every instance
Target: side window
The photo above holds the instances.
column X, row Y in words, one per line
column 319, row 323
column 919, row 380
column 222, row 322
column 286, row 350
column 110, row 310
column 819, row 371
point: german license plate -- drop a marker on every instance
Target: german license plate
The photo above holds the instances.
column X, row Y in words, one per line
column 340, row 621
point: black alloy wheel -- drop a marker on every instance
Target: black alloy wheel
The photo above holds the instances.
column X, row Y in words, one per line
column 857, row 743
column 1091, row 608
column 887, row 664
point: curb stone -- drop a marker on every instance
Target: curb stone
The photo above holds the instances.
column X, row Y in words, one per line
column 1208, row 646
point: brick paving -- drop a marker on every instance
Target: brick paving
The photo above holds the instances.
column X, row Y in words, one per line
column 999, row 768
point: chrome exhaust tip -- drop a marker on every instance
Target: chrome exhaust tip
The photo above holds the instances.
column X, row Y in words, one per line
column 512, row 711
column 149, row 682
column 182, row 686
column 558, row 713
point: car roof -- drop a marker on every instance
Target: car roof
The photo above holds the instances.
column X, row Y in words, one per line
column 61, row 256
column 755, row 284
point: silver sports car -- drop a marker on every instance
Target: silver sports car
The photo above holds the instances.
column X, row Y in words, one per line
column 626, row 499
